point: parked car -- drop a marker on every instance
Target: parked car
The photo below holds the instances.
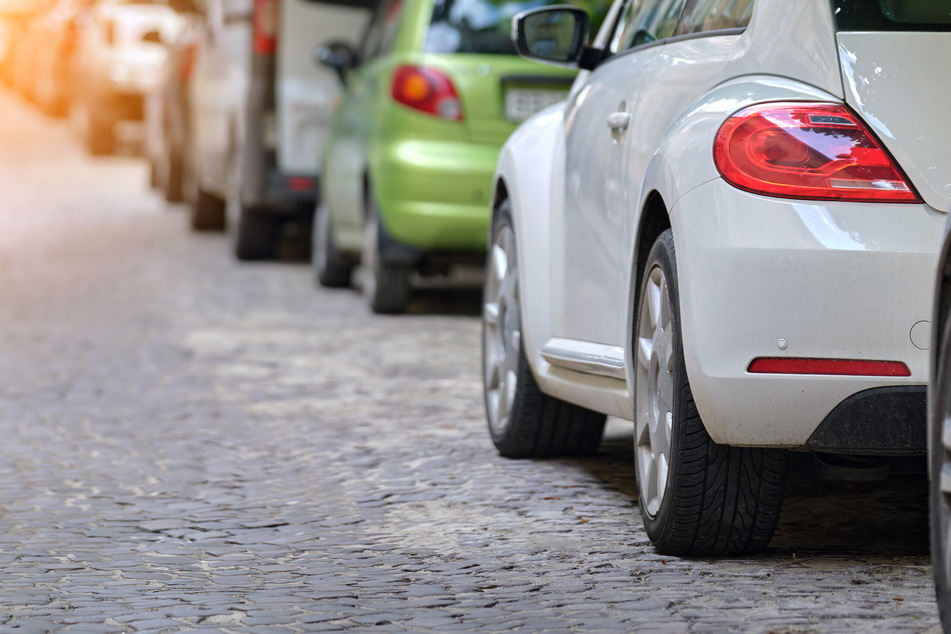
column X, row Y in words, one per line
column 431, row 95
column 120, row 59
column 167, row 112
column 260, row 114
column 28, row 42
column 939, row 434
column 726, row 235
column 58, row 35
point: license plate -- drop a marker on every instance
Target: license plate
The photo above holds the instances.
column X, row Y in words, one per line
column 520, row 104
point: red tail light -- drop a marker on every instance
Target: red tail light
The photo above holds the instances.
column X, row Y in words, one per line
column 807, row 150
column 843, row 367
column 265, row 26
column 427, row 90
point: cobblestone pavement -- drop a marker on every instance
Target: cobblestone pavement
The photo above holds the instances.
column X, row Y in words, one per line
column 190, row 443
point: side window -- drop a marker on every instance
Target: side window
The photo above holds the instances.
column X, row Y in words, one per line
column 646, row 21
column 382, row 30
column 715, row 15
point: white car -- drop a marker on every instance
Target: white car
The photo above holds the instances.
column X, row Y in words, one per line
column 261, row 108
column 726, row 234
column 119, row 59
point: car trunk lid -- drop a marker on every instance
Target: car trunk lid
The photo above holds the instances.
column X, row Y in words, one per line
column 890, row 80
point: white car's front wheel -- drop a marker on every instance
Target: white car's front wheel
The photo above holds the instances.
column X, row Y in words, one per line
column 696, row 497
column 523, row 421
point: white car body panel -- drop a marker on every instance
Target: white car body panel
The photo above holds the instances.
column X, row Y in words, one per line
column 581, row 303
column 835, row 280
column 883, row 74
column 307, row 92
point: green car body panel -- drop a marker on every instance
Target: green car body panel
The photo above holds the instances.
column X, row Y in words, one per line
column 430, row 178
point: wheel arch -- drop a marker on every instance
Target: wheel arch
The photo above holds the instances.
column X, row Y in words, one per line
column 653, row 220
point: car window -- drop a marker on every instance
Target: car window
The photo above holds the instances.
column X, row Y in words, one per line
column 646, row 21
column 379, row 38
column 714, row 15
column 484, row 26
column 892, row 15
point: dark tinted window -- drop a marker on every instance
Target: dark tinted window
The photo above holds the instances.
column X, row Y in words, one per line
column 646, row 21
column 485, row 26
column 714, row 15
column 892, row 15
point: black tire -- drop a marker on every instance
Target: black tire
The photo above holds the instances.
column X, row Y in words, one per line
column 940, row 412
column 98, row 135
column 173, row 186
column 715, row 499
column 386, row 285
column 207, row 212
column 534, row 423
column 255, row 237
column 332, row 269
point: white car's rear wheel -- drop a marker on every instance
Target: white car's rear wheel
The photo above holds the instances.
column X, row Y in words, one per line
column 696, row 497
column 522, row 420
column 940, row 447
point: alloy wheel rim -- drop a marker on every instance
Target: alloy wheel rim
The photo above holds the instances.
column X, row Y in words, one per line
column 502, row 334
column 654, row 389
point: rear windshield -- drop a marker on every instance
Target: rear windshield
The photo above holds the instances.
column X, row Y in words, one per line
column 484, row 26
column 892, row 15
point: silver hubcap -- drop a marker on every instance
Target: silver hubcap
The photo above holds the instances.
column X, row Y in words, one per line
column 502, row 338
column 654, row 390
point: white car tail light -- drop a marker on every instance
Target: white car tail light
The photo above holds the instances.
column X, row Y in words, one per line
column 815, row 151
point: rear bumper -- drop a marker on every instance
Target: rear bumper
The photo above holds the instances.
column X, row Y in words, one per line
column 762, row 277
column 885, row 420
column 435, row 195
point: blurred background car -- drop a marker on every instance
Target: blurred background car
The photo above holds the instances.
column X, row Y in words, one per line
column 167, row 111
column 260, row 110
column 939, row 433
column 120, row 59
column 58, row 34
column 431, row 94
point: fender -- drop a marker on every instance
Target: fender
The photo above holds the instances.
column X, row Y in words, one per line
column 537, row 142
column 683, row 161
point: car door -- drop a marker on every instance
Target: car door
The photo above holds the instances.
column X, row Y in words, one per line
column 308, row 93
column 220, row 83
column 603, row 113
column 345, row 159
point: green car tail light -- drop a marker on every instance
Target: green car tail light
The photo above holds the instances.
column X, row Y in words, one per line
column 427, row 90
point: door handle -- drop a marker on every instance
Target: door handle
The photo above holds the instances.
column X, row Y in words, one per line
column 618, row 121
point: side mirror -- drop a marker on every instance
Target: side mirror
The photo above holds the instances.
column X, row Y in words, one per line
column 554, row 34
column 338, row 56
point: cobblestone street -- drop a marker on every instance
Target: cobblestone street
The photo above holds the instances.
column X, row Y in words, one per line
column 192, row 443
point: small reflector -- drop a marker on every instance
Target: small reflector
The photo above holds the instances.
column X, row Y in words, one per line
column 300, row 183
column 849, row 367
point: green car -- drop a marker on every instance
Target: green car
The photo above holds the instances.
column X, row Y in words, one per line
column 430, row 97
